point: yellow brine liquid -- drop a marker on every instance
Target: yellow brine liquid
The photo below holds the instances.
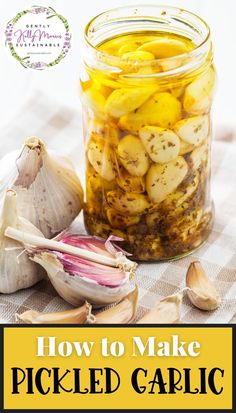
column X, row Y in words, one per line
column 148, row 145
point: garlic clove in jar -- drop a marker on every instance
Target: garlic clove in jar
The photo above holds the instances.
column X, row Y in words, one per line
column 164, row 48
column 49, row 193
column 130, row 183
column 121, row 221
column 16, row 270
column 162, row 109
column 139, row 55
column 199, row 156
column 128, row 203
column 133, row 156
column 193, row 130
column 125, row 100
column 162, row 179
column 162, row 145
column 198, row 95
column 95, row 101
column 102, row 159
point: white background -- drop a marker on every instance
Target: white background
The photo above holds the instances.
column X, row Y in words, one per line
column 61, row 82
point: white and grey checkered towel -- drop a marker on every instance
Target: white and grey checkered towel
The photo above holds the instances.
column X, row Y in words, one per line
column 60, row 127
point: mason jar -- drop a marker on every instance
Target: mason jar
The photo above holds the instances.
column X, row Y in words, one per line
column 147, row 86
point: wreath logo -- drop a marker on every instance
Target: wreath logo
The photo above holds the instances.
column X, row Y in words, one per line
column 38, row 37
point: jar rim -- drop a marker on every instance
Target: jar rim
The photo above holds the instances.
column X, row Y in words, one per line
column 198, row 49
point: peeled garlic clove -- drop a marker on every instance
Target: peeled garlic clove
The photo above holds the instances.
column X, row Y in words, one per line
column 163, row 179
column 188, row 221
column 198, row 156
column 16, row 270
column 130, row 183
column 177, row 198
column 131, row 123
column 198, row 95
column 96, row 186
column 74, row 316
column 138, row 55
column 162, row 145
column 125, row 100
column 95, row 102
column 97, row 183
column 121, row 221
column 162, row 109
column 102, row 159
column 185, row 147
column 163, row 48
column 128, row 203
column 127, row 47
column 133, row 156
column 201, row 290
column 153, row 219
column 108, row 132
column 36, row 175
column 122, row 313
column 167, row 311
column 130, row 45
column 193, row 130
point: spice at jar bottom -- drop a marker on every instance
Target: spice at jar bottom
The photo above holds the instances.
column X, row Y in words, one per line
column 147, row 95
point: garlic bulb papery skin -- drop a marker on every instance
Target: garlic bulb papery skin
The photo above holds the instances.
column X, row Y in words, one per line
column 16, row 270
column 76, row 289
column 49, row 192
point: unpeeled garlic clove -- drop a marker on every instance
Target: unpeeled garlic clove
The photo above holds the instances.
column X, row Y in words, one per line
column 81, row 267
column 122, row 313
column 49, row 192
column 167, row 311
column 74, row 316
column 16, row 270
column 200, row 288
column 76, row 287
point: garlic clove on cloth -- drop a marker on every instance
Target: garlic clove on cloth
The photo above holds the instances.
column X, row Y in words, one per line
column 122, row 313
column 74, row 316
column 167, row 311
column 81, row 267
column 16, row 270
column 49, row 191
column 200, row 288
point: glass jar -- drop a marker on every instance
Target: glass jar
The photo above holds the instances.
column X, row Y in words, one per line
column 147, row 87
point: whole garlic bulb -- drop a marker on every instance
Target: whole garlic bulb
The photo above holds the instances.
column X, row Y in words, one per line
column 16, row 270
column 49, row 192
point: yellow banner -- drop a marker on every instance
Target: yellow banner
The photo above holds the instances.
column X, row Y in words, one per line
column 117, row 368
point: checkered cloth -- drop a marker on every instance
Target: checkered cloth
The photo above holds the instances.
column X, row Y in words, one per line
column 60, row 127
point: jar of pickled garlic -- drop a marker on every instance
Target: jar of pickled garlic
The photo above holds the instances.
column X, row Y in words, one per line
column 147, row 85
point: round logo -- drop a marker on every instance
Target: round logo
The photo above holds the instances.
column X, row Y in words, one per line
column 38, row 37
